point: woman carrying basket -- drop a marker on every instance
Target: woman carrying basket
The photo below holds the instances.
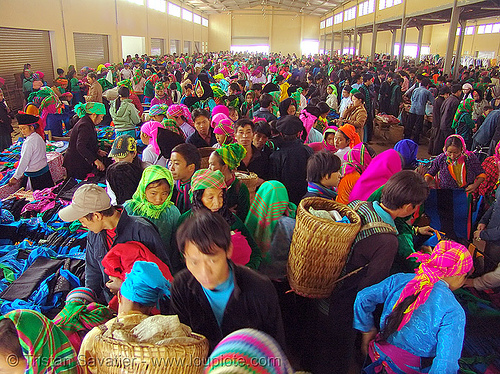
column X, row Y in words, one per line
column 422, row 322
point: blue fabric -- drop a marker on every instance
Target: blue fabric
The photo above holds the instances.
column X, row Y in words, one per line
column 448, row 210
column 219, row 297
column 436, row 328
column 386, row 217
column 419, row 99
column 145, row 284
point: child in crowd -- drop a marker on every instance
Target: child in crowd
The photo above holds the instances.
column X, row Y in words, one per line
column 124, row 114
column 182, row 116
column 80, row 314
column 223, row 130
column 160, row 96
column 158, row 112
column 185, row 159
column 149, row 136
column 203, row 136
column 331, row 99
column 209, row 192
column 122, row 179
column 328, row 142
column 345, row 139
column 124, row 148
column 355, row 163
column 226, row 159
column 323, row 174
column 456, row 167
column 227, row 296
column 152, row 200
column 262, row 135
column 33, row 162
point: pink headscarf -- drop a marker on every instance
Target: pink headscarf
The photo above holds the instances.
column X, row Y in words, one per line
column 177, row 110
column 497, row 152
column 308, row 120
column 448, row 259
column 223, row 127
column 383, row 166
column 150, row 128
column 220, row 109
column 217, row 118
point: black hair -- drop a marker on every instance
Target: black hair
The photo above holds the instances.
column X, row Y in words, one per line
column 123, row 178
column 426, row 82
column 205, row 230
column 189, row 85
column 265, row 100
column 92, row 75
column 480, row 93
column 314, row 110
column 487, row 107
column 367, row 77
column 323, row 107
column 106, row 213
column 60, row 71
column 242, row 123
column 190, row 153
column 173, row 86
column 285, row 104
column 257, row 87
column 123, row 92
column 360, row 96
column 242, row 82
column 262, row 127
column 455, row 88
column 322, row 164
column 224, row 211
column 455, row 142
column 356, row 77
column 443, row 90
column 234, row 87
column 405, row 187
column 198, row 112
column 347, row 88
column 9, row 339
column 394, row 319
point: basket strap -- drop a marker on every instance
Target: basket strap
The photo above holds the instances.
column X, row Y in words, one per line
column 373, row 225
column 351, row 273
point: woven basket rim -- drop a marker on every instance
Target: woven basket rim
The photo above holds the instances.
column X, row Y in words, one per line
column 324, row 220
column 108, row 340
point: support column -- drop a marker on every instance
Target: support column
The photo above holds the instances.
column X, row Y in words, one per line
column 324, row 45
column 402, row 40
column 460, row 44
column 360, row 44
column 419, row 42
column 355, row 37
column 374, row 42
column 452, row 32
column 342, row 42
column 332, row 44
column 350, row 43
column 393, row 41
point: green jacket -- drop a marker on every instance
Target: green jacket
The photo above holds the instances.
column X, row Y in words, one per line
column 126, row 117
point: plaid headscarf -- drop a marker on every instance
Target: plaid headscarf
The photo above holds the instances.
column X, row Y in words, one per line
column 357, row 159
column 137, row 76
column 44, row 345
column 232, row 154
column 158, row 110
column 218, row 92
column 224, row 128
column 448, row 259
column 270, row 203
column 206, row 178
column 82, row 109
column 127, row 83
column 177, row 110
column 171, row 125
column 465, row 107
column 139, row 204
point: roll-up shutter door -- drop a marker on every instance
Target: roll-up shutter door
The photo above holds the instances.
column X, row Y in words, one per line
column 90, row 50
column 157, row 46
column 18, row 47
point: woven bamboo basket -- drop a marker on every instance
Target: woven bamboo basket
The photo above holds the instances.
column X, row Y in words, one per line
column 319, row 248
column 251, row 180
column 119, row 357
column 205, row 153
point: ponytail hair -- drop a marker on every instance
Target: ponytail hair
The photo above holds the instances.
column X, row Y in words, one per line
column 123, row 92
column 394, row 319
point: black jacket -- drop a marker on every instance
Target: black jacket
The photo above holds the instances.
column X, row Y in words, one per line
column 259, row 163
column 5, row 120
column 129, row 228
column 82, row 150
column 253, row 304
column 289, row 166
column 196, row 140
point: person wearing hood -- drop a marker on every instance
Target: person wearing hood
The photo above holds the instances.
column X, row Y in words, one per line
column 204, row 95
column 124, row 114
column 345, row 139
column 331, row 98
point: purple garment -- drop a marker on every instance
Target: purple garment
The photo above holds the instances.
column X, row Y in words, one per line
column 472, row 167
column 164, row 100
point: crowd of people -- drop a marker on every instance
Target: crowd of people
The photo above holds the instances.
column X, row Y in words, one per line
column 212, row 154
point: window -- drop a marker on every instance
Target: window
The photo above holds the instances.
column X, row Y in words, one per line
column 174, row 10
column 496, row 27
column 366, row 7
column 350, row 14
column 329, row 22
column 348, row 51
column 411, row 50
column 309, row 47
column 383, row 4
column 196, row 19
column 459, row 31
column 469, row 30
column 157, row 5
column 488, row 28
column 138, row 2
column 338, row 18
column 322, row 24
column 187, row 15
column 204, row 22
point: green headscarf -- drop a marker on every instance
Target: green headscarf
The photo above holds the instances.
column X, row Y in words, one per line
column 206, row 178
column 44, row 345
column 82, row 109
column 354, row 91
column 218, row 92
column 334, row 89
column 127, row 83
column 171, row 125
column 139, row 204
column 232, row 154
column 270, row 203
column 465, row 107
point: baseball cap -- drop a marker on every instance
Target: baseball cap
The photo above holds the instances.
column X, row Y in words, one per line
column 122, row 146
column 88, row 198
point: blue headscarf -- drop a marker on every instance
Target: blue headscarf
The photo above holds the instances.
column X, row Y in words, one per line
column 145, row 284
column 408, row 149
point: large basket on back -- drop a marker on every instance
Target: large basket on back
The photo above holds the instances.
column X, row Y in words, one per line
column 118, row 357
column 319, row 247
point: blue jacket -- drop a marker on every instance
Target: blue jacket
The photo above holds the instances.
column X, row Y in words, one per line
column 492, row 221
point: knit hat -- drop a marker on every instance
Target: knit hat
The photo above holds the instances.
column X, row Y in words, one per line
column 232, row 154
column 122, row 146
column 83, row 293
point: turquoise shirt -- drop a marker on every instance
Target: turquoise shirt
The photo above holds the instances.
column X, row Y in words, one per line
column 386, row 217
column 219, row 297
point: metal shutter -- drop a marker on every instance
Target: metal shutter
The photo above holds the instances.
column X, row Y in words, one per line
column 90, row 50
column 157, row 46
column 18, row 47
